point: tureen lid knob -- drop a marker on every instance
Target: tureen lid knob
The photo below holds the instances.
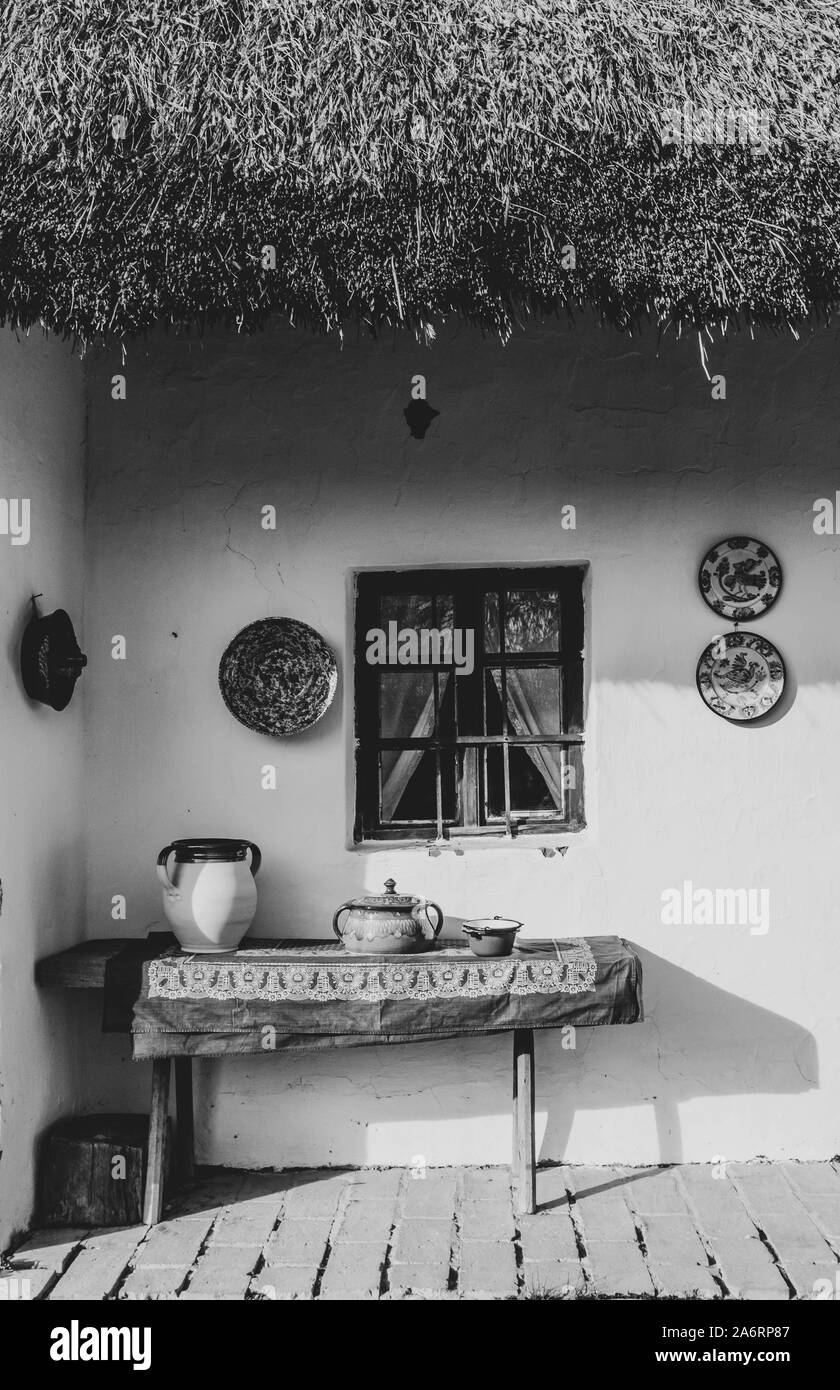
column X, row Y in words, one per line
column 390, row 885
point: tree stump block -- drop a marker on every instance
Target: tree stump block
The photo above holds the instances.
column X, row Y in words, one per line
column 92, row 1171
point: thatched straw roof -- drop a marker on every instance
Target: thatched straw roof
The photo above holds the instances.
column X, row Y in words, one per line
column 409, row 158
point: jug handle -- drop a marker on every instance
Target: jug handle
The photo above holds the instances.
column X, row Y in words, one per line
column 256, row 857
column 439, row 911
column 343, row 908
column 163, row 875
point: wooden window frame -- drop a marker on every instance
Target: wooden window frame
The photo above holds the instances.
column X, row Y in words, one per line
column 468, row 587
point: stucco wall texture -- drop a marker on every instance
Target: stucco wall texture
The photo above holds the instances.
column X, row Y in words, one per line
column 42, row 848
column 740, row 1053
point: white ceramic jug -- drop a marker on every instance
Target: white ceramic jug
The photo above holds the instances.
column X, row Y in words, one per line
column 210, row 898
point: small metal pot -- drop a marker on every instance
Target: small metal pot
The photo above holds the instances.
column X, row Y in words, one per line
column 491, row 936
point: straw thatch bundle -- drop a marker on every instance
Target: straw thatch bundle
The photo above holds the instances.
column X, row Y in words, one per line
column 405, row 159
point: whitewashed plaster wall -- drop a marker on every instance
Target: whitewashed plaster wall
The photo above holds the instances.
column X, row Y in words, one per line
column 42, row 850
column 740, row 1054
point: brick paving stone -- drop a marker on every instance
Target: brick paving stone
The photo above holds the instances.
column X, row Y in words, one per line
column 656, row 1191
column 487, row 1221
column 556, row 1277
column 354, row 1271
column 718, row 1208
column 171, row 1245
column 366, row 1222
column 285, row 1282
column 375, row 1185
column 487, row 1269
column 673, row 1240
column 422, row 1243
column 548, row 1237
column 315, row 1194
column 601, row 1207
column 223, row 1271
column 618, row 1268
column 298, row 1242
column 486, row 1185
column 794, row 1237
column 552, row 1185
column 240, row 1258
column 806, row 1278
column 238, row 1226
column 206, row 1197
column 826, row 1212
column 763, row 1188
column 813, row 1178
column 423, row 1281
column 432, row 1196
column 143, row 1284
column 97, row 1269
column 748, row 1269
column 48, row 1249
column 684, row 1281
column 25, row 1285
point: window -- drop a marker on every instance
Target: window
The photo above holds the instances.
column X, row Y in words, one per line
column 469, row 702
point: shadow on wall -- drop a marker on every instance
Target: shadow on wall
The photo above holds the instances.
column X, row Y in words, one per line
column 700, row 1041
column 711, row 1043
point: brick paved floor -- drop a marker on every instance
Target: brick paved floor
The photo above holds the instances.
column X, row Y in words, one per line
column 754, row 1231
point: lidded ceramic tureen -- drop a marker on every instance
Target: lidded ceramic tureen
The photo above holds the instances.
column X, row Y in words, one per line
column 387, row 924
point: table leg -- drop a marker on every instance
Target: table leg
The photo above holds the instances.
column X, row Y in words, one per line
column 156, row 1161
column 184, row 1116
column 524, row 1172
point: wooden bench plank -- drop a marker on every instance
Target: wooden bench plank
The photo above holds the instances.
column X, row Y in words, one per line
column 82, row 966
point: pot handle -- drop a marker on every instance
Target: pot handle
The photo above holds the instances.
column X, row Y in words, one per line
column 439, row 911
column 344, row 907
column 162, row 873
column 498, row 918
column 256, row 857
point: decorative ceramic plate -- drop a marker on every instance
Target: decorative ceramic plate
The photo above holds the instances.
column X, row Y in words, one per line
column 278, row 676
column 741, row 676
column 740, row 578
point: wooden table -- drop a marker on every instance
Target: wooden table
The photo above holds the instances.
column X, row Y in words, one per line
column 84, row 967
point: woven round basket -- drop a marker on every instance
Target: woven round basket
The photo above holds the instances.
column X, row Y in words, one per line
column 278, row 676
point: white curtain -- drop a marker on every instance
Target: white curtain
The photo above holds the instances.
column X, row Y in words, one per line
column 398, row 768
column 533, row 709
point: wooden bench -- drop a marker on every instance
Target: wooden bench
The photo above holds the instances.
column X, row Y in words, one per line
column 83, row 967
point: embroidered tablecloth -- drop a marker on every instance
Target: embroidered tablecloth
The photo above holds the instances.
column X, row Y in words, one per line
column 290, row 994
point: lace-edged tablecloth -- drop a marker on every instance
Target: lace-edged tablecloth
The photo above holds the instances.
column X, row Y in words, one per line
column 331, row 975
column 293, row 994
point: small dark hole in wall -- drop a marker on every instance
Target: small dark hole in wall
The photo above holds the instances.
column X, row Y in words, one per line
column 419, row 415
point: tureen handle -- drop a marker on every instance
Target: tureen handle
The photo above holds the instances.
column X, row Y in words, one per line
column 344, row 908
column 435, row 929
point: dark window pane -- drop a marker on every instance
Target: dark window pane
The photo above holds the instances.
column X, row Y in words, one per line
column 533, row 699
column 406, row 704
column 536, row 780
column 408, row 786
column 532, row 620
column 416, row 611
column 495, row 722
column 491, row 622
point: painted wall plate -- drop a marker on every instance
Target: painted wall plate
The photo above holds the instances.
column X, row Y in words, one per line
column 740, row 578
column 278, row 676
column 741, row 676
